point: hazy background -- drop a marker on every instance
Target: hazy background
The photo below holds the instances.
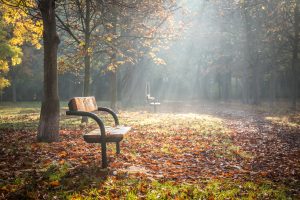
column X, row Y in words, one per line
column 233, row 50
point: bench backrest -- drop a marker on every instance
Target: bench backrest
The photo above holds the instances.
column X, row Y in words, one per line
column 87, row 104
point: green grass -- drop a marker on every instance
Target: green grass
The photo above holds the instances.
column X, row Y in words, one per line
column 64, row 179
column 290, row 120
column 25, row 116
column 56, row 172
column 152, row 190
column 19, row 115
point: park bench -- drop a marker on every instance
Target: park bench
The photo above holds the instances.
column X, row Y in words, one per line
column 86, row 106
column 152, row 101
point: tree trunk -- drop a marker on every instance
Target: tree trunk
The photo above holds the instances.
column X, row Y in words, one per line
column 133, row 84
column 87, row 57
column 272, row 89
column 250, row 71
column 87, row 78
column 113, row 102
column 197, row 85
column 227, row 85
column 126, row 82
column 295, row 56
column 48, row 130
column 245, row 91
column 13, row 74
column 113, row 85
column 14, row 90
column 205, row 84
column 219, row 89
column 236, row 88
column 256, row 85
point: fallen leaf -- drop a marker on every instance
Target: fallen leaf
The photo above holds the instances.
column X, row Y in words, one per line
column 54, row 183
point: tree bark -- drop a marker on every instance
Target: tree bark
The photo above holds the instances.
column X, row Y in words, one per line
column 113, row 102
column 251, row 70
column 14, row 90
column 295, row 55
column 256, row 85
column 12, row 75
column 272, row 89
column 197, row 85
column 48, row 130
column 219, row 77
column 227, row 85
column 13, row 85
column 87, row 57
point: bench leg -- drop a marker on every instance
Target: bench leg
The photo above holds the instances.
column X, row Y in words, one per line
column 104, row 157
column 118, row 147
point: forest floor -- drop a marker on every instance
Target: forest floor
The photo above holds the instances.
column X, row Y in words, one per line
column 182, row 152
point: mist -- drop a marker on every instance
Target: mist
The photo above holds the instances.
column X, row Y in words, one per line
column 205, row 51
column 228, row 52
column 149, row 99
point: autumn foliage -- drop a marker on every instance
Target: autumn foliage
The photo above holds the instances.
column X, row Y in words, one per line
column 211, row 155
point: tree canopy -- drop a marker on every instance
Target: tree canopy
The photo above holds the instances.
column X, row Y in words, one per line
column 16, row 29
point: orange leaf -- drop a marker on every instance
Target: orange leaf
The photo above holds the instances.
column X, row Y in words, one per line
column 54, row 183
column 62, row 154
column 83, row 161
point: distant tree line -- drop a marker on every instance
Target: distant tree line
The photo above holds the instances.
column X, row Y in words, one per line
column 251, row 54
column 101, row 35
column 246, row 50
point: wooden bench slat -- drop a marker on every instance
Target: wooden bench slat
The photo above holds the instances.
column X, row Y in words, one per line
column 113, row 134
column 155, row 103
column 86, row 104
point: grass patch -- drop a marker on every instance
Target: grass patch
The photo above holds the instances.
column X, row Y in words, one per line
column 291, row 120
column 25, row 116
column 55, row 172
column 152, row 190
column 176, row 156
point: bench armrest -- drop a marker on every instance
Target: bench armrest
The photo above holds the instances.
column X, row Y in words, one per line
column 91, row 115
column 110, row 112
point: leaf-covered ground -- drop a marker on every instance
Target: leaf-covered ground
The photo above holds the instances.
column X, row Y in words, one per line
column 218, row 152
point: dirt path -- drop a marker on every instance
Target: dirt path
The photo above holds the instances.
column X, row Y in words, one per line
column 275, row 148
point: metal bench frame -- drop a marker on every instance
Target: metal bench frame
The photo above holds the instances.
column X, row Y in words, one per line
column 103, row 136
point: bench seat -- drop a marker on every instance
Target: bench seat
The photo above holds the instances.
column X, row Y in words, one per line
column 155, row 103
column 113, row 134
column 86, row 106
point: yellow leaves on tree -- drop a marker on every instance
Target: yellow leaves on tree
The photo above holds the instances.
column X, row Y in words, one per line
column 16, row 29
column 114, row 65
column 3, row 82
column 9, row 55
column 156, row 60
